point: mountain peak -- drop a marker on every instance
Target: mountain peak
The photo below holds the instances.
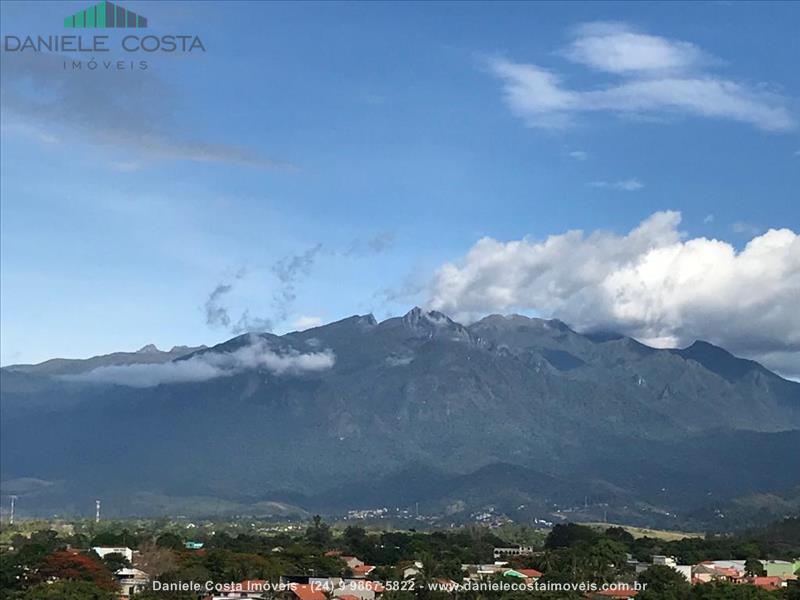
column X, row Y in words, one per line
column 148, row 349
column 718, row 360
column 432, row 323
column 417, row 313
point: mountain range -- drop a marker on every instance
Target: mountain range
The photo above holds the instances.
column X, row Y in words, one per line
column 522, row 416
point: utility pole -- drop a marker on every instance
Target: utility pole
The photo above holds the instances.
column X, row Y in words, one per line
column 97, row 511
column 11, row 517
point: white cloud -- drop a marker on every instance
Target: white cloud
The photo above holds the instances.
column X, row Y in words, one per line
column 616, row 48
column 211, row 365
column 658, row 76
column 625, row 185
column 304, row 322
column 578, row 155
column 652, row 284
column 709, row 218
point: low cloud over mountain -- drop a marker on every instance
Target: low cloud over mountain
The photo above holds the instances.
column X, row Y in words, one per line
column 203, row 366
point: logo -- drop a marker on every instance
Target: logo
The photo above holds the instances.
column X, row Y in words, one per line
column 105, row 15
column 91, row 50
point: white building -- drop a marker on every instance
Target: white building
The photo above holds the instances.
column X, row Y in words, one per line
column 513, row 551
column 131, row 581
column 671, row 562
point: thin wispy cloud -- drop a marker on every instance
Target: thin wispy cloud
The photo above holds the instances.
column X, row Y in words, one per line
column 578, row 155
column 651, row 76
column 745, row 228
column 287, row 273
column 131, row 113
column 218, row 314
column 624, row 185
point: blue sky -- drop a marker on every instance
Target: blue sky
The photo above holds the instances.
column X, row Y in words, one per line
column 321, row 160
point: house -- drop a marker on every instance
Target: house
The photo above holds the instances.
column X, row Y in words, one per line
column 131, row 582
column 665, row 561
column 513, row 551
column 768, row 583
column 352, row 561
column 103, row 551
column 478, row 572
column 246, row 590
column 193, row 545
column 306, row 592
column 779, row 568
column 361, row 571
column 718, row 570
column 529, row 575
column 329, row 587
column 363, row 589
column 672, row 563
column 412, row 570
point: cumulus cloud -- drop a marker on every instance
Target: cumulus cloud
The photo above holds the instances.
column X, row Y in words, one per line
column 652, row 76
column 652, row 284
column 257, row 354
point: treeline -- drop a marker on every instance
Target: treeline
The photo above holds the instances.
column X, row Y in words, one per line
column 776, row 541
column 49, row 565
column 578, row 553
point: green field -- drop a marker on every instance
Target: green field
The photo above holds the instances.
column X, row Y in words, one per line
column 640, row 532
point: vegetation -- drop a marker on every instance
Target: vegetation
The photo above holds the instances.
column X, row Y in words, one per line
column 49, row 564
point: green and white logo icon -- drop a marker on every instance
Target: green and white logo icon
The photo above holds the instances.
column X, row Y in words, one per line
column 105, row 15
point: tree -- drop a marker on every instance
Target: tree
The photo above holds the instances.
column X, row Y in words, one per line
column 155, row 560
column 601, row 561
column 113, row 537
column 355, row 541
column 664, row 583
column 569, row 534
column 620, row 534
column 319, row 533
column 68, row 565
column 114, row 561
column 68, row 590
column 754, row 568
column 169, row 540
